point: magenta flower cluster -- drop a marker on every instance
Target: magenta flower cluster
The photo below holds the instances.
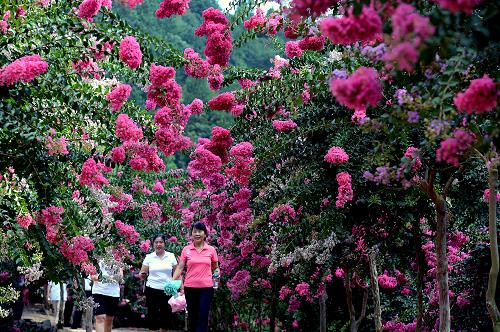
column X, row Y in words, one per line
column 24, row 69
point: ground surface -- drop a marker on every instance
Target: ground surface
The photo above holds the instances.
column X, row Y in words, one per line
column 37, row 314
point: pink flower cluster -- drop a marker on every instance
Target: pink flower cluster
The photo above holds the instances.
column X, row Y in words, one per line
column 295, row 49
column 92, row 174
column 126, row 129
column 412, row 157
column 480, row 97
column 170, row 140
column 365, row 27
column 306, row 8
column 130, row 52
column 219, row 40
column 243, row 163
column 145, row 245
column 257, row 21
column 285, row 292
column 292, row 49
column 359, row 90
column 238, row 284
column 50, row 216
column 204, row 164
column 409, row 30
column 24, row 69
column 486, row 195
column 89, row 8
column 127, row 231
column 118, row 154
column 196, row 107
column 150, row 211
column 336, row 155
column 391, row 326
column 164, row 90
column 464, row 6
column 56, row 146
column 132, row 3
column 386, row 281
column 195, row 66
column 223, row 102
column 303, row 289
column 283, row 126
column 260, row 22
column 25, row 220
column 118, row 96
column 284, row 213
column 215, row 78
column 452, row 148
column 76, row 251
column 87, row 68
column 172, row 7
column 122, row 199
column 345, row 193
column 143, row 157
column 220, row 143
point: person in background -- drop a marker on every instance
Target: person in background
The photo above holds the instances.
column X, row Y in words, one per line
column 77, row 313
column 106, row 293
column 54, row 294
column 157, row 269
column 202, row 265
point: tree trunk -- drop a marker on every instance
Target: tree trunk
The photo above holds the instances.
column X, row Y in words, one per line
column 60, row 319
column 322, row 312
column 274, row 305
column 492, row 280
column 419, row 258
column 350, row 306
column 441, row 246
column 372, row 261
column 442, row 264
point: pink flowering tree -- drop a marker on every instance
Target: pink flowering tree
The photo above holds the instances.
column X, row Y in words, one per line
column 352, row 166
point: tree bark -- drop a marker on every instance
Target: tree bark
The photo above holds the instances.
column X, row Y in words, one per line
column 419, row 258
column 350, row 306
column 372, row 261
column 441, row 248
column 493, row 276
column 274, row 305
column 60, row 319
column 442, row 265
column 322, row 312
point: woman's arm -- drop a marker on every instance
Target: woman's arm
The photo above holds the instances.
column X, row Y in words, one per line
column 215, row 267
column 144, row 272
column 178, row 270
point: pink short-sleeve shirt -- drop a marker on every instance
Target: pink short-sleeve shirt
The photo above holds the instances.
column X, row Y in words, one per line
column 199, row 265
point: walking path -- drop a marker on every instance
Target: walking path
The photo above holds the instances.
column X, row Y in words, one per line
column 36, row 313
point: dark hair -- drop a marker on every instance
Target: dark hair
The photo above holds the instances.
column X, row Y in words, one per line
column 163, row 237
column 200, row 226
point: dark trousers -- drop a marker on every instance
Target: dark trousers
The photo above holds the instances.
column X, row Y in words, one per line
column 198, row 302
column 159, row 311
column 77, row 314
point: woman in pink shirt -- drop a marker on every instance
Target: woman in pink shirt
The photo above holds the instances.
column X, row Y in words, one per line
column 202, row 266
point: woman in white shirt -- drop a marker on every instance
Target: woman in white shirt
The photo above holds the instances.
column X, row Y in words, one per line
column 157, row 268
column 106, row 293
column 54, row 291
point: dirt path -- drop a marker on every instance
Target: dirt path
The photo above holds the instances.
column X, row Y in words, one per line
column 36, row 313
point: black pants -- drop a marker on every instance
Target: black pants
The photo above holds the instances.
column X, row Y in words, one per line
column 159, row 311
column 77, row 314
column 198, row 302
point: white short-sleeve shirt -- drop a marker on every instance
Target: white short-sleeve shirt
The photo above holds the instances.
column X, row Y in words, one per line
column 111, row 288
column 55, row 292
column 160, row 269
